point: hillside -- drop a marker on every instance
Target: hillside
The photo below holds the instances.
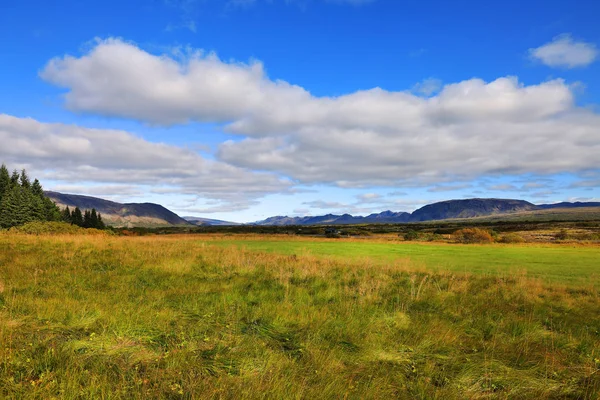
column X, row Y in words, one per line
column 469, row 208
column 118, row 214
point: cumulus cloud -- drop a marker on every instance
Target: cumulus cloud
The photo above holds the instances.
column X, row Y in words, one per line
column 565, row 52
column 119, row 162
column 369, row 198
column 367, row 138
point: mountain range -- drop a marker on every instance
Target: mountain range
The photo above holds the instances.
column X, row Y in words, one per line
column 450, row 209
column 155, row 215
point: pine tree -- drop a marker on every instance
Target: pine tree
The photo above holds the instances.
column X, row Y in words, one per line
column 66, row 215
column 4, row 180
column 87, row 219
column 16, row 208
column 36, row 188
column 52, row 212
column 94, row 219
column 100, row 222
column 77, row 217
column 14, row 178
column 24, row 180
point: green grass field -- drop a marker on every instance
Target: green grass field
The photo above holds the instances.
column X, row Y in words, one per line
column 192, row 317
column 558, row 263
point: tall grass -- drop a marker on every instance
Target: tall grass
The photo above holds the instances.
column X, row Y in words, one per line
column 174, row 317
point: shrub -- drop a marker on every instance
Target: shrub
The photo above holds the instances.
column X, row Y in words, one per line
column 411, row 235
column 53, row 228
column 472, row 235
column 511, row 238
column 563, row 234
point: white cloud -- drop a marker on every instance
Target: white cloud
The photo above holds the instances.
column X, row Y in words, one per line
column 368, row 138
column 563, row 51
column 369, row 198
column 118, row 162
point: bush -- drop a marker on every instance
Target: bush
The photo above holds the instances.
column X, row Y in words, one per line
column 563, row 234
column 411, row 235
column 54, row 228
column 472, row 235
column 511, row 238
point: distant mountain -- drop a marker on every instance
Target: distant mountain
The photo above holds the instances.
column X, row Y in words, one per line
column 469, row 208
column 451, row 209
column 207, row 221
column 121, row 215
column 565, row 204
column 332, row 219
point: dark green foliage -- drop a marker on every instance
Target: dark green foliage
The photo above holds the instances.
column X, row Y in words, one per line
column 411, row 235
column 22, row 201
column 89, row 218
column 100, row 222
column 4, row 180
column 66, row 215
column 77, row 217
column 14, row 178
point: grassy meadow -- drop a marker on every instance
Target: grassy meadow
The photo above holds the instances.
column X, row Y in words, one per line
column 192, row 316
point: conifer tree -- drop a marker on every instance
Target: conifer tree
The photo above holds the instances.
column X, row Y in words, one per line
column 36, row 188
column 16, row 207
column 100, row 222
column 87, row 219
column 66, row 215
column 4, row 180
column 94, row 219
column 14, row 178
column 24, row 180
column 77, row 217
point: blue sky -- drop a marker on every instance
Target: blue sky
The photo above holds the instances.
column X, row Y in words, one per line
column 244, row 109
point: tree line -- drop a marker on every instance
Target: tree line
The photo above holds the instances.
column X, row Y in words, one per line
column 23, row 201
column 87, row 219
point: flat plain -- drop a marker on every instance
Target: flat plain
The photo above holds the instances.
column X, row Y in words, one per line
column 213, row 316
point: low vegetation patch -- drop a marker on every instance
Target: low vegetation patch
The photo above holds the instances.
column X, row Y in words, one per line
column 472, row 235
column 179, row 317
column 511, row 238
column 54, row 228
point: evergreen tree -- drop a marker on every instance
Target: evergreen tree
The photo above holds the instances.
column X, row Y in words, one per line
column 24, row 180
column 77, row 217
column 16, row 207
column 4, row 180
column 66, row 215
column 87, row 219
column 100, row 222
column 14, row 178
column 36, row 188
column 94, row 219
column 36, row 208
